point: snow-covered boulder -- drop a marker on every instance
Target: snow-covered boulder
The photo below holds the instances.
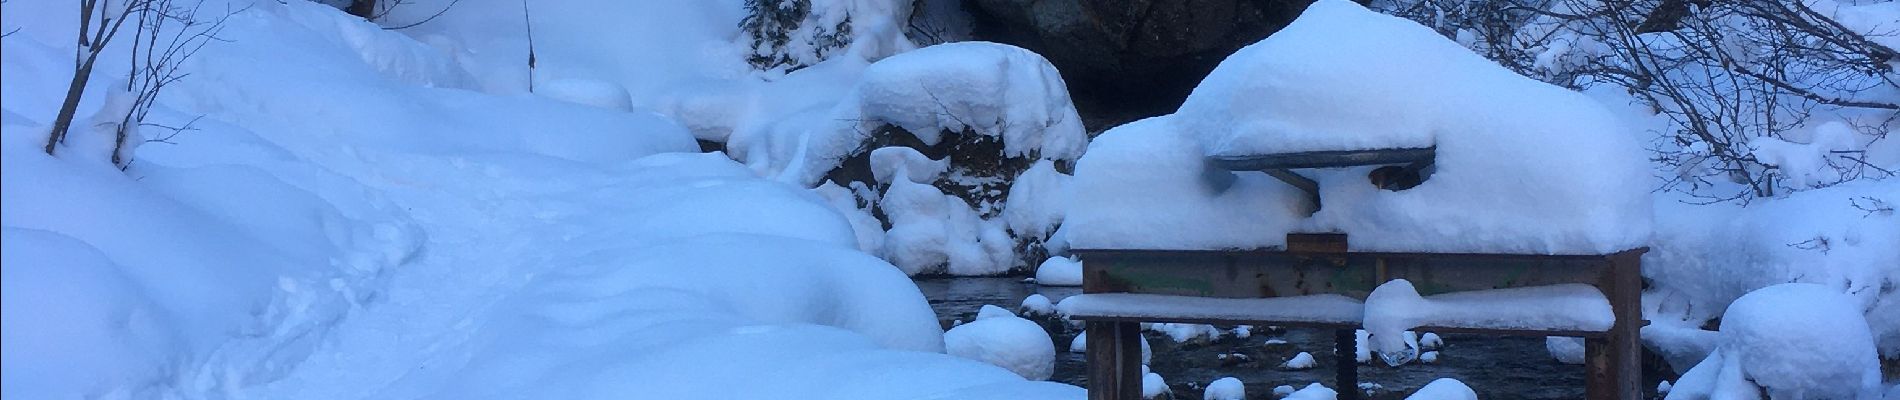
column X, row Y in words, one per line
column 932, row 232
column 1791, row 341
column 1225, row 388
column 1059, row 271
column 1004, row 340
column 1444, row 389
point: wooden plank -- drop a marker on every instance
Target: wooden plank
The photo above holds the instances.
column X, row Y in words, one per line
column 1329, row 243
column 1324, row 159
column 1330, row 325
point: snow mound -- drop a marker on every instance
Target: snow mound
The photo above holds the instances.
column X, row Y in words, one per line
column 1016, row 344
column 1225, row 388
column 1522, row 166
column 1444, row 389
column 587, row 92
column 76, row 324
column 1792, row 341
column 1037, row 201
column 1059, row 271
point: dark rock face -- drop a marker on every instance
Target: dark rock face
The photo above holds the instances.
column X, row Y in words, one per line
column 1128, row 59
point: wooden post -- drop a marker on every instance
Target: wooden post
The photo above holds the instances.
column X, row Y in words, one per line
column 1346, row 354
column 1614, row 362
column 1114, row 360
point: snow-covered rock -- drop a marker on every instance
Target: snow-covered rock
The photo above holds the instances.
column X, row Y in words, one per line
column 1430, row 341
column 991, row 311
column 1429, row 357
column 1313, row 391
column 1059, row 271
column 932, row 232
column 1225, row 388
column 1790, row 341
column 1037, row 305
column 991, row 89
column 1016, row 344
column 1444, row 389
column 1303, row 360
column 1152, row 386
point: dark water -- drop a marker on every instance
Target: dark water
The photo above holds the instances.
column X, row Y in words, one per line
column 1497, row 367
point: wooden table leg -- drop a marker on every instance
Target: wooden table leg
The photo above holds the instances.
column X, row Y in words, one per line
column 1346, row 354
column 1114, row 360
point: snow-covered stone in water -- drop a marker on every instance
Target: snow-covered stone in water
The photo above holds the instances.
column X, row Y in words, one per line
column 1567, row 350
column 1430, row 357
column 588, row 92
column 1790, row 341
column 1341, row 77
column 1430, row 341
column 1225, row 388
column 1314, row 391
column 1145, row 185
column 1016, row 344
column 1664, row 387
column 889, row 163
column 1059, row 271
column 1444, row 389
column 1283, row 390
column 1242, row 332
column 992, row 89
column 1037, row 200
column 1274, row 342
column 1037, row 305
column 1303, row 360
column 1152, row 386
column 991, row 311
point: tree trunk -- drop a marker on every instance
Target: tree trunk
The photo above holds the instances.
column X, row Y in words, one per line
column 64, row 121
